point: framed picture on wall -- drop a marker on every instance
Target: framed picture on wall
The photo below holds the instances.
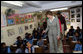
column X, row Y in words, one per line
column 72, row 20
column 78, row 10
column 78, row 16
column 20, row 30
column 11, row 32
column 21, row 20
column 17, row 20
column 78, row 20
column 26, row 20
column 73, row 16
column 31, row 26
column 73, row 11
column 26, row 27
column 11, row 22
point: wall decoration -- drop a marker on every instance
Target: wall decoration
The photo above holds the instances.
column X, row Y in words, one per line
column 1, row 34
column 3, row 20
column 11, row 32
column 72, row 11
column 72, row 20
column 21, row 20
column 9, row 12
column 30, row 26
column 72, row 16
column 26, row 27
column 20, row 30
column 78, row 16
column 78, row 20
column 78, row 10
column 17, row 20
column 26, row 19
column 11, row 21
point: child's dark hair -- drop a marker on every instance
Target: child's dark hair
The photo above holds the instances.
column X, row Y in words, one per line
column 18, row 37
column 3, row 44
column 29, row 34
column 49, row 13
column 76, row 32
column 71, row 26
column 26, row 34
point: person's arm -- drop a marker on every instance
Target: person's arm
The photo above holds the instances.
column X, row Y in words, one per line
column 26, row 50
column 47, row 27
column 17, row 51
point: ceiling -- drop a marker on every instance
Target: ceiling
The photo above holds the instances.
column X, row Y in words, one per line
column 28, row 4
column 32, row 6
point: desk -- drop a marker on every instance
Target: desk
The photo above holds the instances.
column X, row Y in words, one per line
column 70, row 38
column 13, row 48
column 77, row 51
column 45, row 41
column 72, row 44
column 37, row 49
column 34, row 41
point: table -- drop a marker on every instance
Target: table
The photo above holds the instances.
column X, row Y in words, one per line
column 77, row 51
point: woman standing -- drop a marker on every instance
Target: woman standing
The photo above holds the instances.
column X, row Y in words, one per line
column 53, row 29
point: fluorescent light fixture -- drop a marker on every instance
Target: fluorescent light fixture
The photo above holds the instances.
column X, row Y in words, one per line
column 17, row 3
column 40, row 11
column 59, row 9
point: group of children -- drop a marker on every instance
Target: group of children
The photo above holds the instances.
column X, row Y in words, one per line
column 76, row 35
column 26, row 45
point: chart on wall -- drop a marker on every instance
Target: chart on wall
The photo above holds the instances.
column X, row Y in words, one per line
column 1, row 34
column 31, row 26
column 11, row 32
column 20, row 30
column 3, row 20
column 26, row 27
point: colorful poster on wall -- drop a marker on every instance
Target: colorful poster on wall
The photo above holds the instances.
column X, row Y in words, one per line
column 11, row 21
column 20, row 30
column 3, row 20
column 21, row 20
column 26, row 19
column 11, row 32
column 17, row 20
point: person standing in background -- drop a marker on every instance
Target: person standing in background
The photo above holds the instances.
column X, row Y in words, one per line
column 63, row 23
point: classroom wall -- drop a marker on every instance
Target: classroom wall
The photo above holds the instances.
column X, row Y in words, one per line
column 9, row 40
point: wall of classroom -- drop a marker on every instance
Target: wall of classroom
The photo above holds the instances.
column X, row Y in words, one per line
column 9, row 40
